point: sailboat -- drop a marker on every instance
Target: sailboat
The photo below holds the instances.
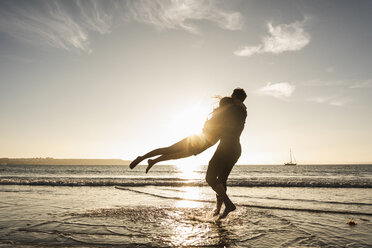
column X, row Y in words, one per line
column 290, row 157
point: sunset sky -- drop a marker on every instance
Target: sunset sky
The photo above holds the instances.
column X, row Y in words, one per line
column 114, row 79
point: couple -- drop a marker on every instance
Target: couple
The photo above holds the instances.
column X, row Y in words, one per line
column 226, row 125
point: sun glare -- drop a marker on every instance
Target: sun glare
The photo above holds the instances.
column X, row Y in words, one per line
column 187, row 169
column 189, row 120
column 189, row 193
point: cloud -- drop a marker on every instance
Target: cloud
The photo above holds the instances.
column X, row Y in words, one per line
column 347, row 84
column 316, row 82
column 59, row 24
column 362, row 85
column 330, row 69
column 337, row 101
column 175, row 14
column 278, row 90
column 282, row 38
column 68, row 24
column 319, row 99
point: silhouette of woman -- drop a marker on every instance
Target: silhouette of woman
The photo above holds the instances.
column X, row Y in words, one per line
column 191, row 145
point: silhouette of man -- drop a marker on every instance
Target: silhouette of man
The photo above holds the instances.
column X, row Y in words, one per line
column 228, row 150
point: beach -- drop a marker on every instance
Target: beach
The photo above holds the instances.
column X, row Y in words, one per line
column 277, row 92
column 96, row 206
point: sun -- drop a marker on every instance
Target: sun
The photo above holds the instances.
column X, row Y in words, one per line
column 189, row 120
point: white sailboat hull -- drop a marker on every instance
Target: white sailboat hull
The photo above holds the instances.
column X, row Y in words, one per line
column 290, row 164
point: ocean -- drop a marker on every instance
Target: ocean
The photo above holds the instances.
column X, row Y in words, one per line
column 171, row 206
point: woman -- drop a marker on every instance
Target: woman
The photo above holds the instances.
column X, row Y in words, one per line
column 191, row 145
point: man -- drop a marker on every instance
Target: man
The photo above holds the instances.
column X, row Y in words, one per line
column 228, row 150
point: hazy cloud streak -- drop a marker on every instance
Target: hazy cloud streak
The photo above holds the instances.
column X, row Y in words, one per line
column 362, row 85
column 175, row 14
column 59, row 24
column 67, row 24
column 331, row 100
column 277, row 90
column 282, row 38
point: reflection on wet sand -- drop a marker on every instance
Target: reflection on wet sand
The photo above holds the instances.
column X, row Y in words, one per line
column 187, row 172
column 198, row 228
column 189, row 193
column 164, row 227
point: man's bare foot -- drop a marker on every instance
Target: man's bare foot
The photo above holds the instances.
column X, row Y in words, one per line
column 228, row 209
column 216, row 211
column 135, row 162
column 218, row 206
column 150, row 163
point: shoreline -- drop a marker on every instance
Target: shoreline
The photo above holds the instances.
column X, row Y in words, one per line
column 108, row 217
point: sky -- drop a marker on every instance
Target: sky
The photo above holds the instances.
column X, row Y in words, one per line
column 115, row 79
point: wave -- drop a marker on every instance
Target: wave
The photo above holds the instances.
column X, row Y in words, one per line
column 178, row 182
column 304, row 200
column 311, row 210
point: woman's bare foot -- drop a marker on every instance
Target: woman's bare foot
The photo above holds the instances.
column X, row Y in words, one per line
column 135, row 162
column 150, row 163
column 228, row 209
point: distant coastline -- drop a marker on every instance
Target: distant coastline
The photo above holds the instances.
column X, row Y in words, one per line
column 83, row 161
column 58, row 161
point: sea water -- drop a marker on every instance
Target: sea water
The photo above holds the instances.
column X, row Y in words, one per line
column 277, row 206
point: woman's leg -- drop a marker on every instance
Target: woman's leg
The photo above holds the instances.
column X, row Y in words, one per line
column 191, row 145
column 156, row 152
column 173, row 149
column 165, row 157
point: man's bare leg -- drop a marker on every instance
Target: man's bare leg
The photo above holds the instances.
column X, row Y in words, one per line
column 218, row 206
column 229, row 205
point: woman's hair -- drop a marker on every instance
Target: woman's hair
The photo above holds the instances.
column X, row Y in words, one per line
column 221, row 102
column 239, row 93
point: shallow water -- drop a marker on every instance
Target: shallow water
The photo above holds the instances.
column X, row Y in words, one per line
column 155, row 215
column 331, row 176
column 105, row 216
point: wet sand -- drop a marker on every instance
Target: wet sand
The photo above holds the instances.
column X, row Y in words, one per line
column 45, row 216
